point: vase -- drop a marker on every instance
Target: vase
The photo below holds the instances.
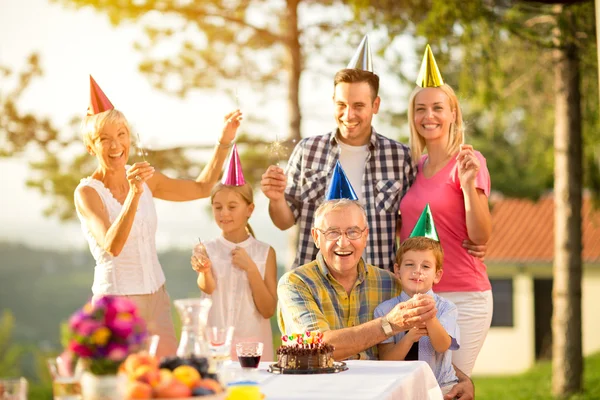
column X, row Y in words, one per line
column 103, row 387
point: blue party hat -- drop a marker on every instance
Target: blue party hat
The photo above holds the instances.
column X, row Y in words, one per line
column 340, row 187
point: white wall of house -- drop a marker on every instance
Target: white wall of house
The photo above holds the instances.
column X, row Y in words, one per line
column 590, row 310
column 510, row 350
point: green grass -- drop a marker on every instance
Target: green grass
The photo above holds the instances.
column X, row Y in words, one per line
column 537, row 383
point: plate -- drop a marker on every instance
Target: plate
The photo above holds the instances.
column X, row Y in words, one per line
column 338, row 366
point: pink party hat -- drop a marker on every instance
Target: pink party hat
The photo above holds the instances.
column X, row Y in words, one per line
column 234, row 175
column 98, row 100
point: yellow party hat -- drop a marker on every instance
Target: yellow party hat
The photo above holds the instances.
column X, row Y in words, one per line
column 429, row 75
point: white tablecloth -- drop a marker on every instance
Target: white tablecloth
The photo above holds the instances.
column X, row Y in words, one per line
column 364, row 380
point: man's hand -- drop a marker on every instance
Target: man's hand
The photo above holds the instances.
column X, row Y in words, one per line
column 476, row 250
column 414, row 312
column 464, row 389
column 273, row 183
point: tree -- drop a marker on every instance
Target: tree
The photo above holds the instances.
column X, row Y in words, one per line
column 567, row 365
column 516, row 107
column 10, row 354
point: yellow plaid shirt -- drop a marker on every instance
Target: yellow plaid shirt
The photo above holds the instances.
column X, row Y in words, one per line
column 310, row 299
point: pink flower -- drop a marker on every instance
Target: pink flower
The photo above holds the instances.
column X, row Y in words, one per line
column 121, row 328
column 117, row 352
column 107, row 330
column 87, row 327
column 80, row 349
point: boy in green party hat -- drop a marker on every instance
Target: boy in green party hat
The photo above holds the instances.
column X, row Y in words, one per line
column 418, row 266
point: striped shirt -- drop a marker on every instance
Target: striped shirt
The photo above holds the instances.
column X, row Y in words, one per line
column 447, row 314
column 310, row 299
column 388, row 174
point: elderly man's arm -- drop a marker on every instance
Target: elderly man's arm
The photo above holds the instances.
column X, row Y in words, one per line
column 405, row 315
column 348, row 342
column 299, row 312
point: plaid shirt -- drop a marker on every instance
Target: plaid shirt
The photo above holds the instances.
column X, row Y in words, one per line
column 389, row 172
column 310, row 299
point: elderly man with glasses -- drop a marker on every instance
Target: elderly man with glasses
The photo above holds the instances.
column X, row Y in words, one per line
column 337, row 293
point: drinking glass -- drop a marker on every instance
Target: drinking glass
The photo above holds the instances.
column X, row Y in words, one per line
column 219, row 343
column 13, row 389
column 65, row 378
column 150, row 344
column 249, row 353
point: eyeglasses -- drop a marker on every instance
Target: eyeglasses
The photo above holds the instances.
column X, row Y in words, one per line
column 352, row 233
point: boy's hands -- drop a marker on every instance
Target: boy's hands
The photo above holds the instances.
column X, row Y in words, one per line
column 414, row 334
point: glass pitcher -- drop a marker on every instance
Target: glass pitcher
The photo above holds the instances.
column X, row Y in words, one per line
column 194, row 316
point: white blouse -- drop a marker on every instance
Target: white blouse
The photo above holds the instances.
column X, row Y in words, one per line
column 136, row 270
column 233, row 304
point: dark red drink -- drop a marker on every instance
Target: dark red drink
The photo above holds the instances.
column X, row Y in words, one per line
column 249, row 361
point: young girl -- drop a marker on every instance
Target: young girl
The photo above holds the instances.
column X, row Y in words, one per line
column 454, row 180
column 238, row 272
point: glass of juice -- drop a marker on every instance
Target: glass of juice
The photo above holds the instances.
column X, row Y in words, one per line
column 65, row 378
column 249, row 353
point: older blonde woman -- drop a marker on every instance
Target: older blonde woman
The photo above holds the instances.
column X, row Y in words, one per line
column 118, row 218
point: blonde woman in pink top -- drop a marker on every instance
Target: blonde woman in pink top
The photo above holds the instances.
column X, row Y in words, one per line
column 454, row 180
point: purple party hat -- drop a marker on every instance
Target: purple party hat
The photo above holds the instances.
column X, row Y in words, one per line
column 234, row 175
column 340, row 187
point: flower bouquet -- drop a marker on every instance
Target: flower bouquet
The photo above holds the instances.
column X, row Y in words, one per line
column 103, row 334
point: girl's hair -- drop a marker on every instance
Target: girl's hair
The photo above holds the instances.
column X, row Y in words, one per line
column 92, row 125
column 245, row 191
column 417, row 143
column 420, row 243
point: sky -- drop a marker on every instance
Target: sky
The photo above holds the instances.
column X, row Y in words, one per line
column 75, row 43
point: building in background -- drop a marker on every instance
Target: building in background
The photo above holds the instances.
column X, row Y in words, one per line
column 519, row 261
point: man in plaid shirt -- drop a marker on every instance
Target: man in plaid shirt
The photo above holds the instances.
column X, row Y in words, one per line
column 380, row 170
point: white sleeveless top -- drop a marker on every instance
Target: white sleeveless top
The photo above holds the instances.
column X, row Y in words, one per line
column 232, row 299
column 136, row 269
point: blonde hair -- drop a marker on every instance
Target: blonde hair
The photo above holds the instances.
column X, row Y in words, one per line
column 245, row 191
column 337, row 204
column 92, row 125
column 417, row 142
column 421, row 243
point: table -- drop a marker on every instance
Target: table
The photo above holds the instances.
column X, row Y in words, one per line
column 364, row 380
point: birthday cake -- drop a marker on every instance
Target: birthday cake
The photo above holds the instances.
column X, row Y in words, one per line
column 304, row 351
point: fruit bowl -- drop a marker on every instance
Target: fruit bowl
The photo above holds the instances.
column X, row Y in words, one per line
column 171, row 378
column 219, row 396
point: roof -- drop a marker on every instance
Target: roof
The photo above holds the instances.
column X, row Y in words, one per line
column 523, row 231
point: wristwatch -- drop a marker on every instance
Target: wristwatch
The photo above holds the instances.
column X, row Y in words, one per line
column 386, row 326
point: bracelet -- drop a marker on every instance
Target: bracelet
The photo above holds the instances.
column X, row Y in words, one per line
column 224, row 146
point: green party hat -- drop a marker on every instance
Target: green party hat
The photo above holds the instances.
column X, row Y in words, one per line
column 425, row 226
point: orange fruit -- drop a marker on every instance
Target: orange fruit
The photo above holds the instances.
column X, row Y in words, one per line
column 187, row 375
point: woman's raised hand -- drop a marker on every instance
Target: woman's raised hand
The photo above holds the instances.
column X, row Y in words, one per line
column 139, row 173
column 468, row 165
column 231, row 124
